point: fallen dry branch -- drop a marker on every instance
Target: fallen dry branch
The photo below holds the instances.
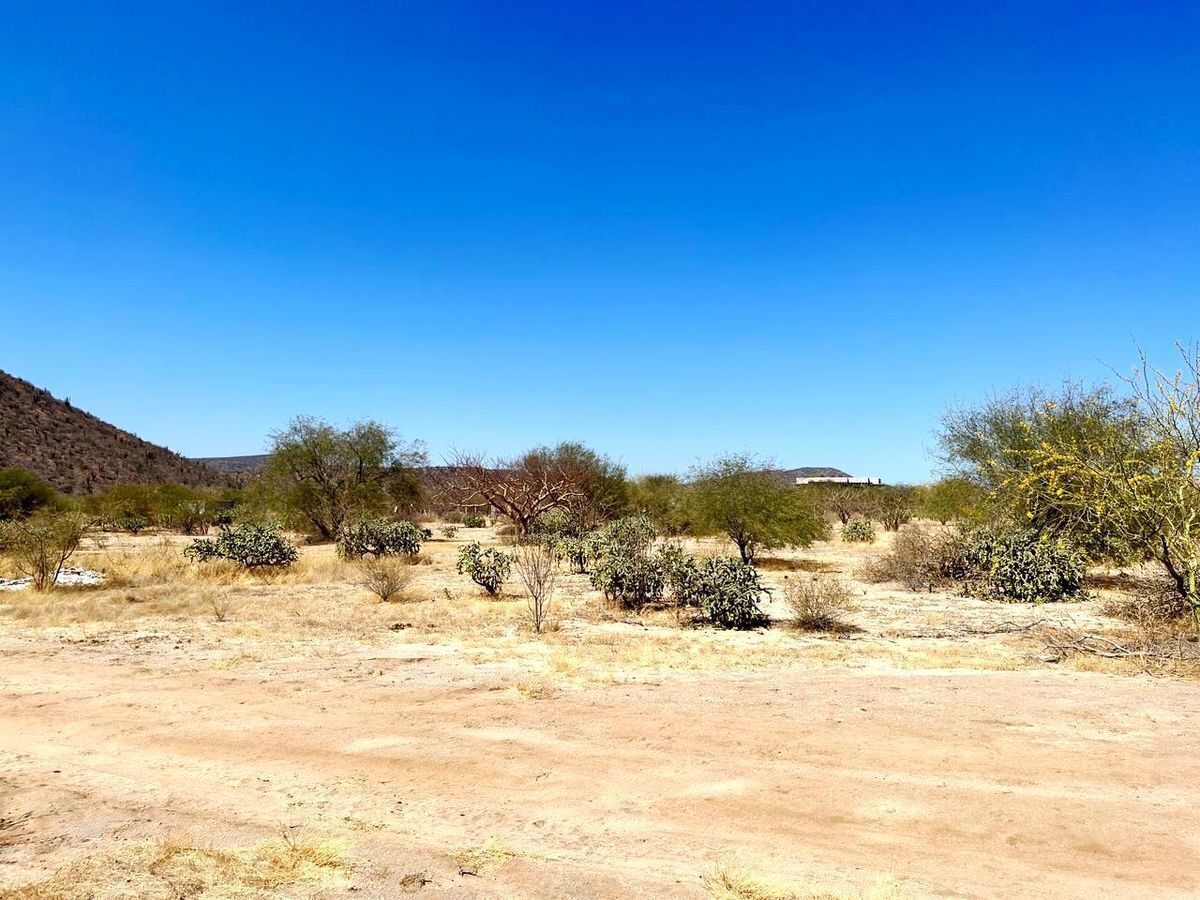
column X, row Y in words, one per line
column 1062, row 643
column 974, row 631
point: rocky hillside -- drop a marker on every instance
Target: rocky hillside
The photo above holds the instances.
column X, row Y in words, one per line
column 78, row 453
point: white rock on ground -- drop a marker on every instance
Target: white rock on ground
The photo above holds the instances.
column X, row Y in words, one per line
column 68, row 577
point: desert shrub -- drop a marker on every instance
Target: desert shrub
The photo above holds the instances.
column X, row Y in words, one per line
column 818, row 604
column 324, row 477
column 580, row 552
column 250, row 546
column 622, row 567
column 379, row 537
column 473, row 520
column 631, row 579
column 537, row 567
column 917, row 559
column 859, row 531
column 1018, row 565
column 129, row 522
column 22, row 494
column 726, row 591
column 630, row 534
column 386, row 577
column 40, row 546
column 1158, row 603
column 450, row 532
column 487, row 568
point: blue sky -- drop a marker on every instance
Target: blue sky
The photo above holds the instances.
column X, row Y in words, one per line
column 667, row 230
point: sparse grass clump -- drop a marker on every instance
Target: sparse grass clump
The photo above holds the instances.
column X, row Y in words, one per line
column 386, row 577
column 170, row 870
column 818, row 604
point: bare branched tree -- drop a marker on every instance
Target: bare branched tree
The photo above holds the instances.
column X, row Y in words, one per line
column 537, row 567
column 522, row 489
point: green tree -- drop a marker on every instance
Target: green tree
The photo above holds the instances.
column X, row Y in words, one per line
column 22, row 494
column 663, row 500
column 1119, row 476
column 951, row 499
column 324, row 477
column 746, row 500
column 999, row 445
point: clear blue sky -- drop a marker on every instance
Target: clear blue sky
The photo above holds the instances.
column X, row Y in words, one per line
column 667, row 230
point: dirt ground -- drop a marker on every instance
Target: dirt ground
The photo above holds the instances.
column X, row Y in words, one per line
column 442, row 749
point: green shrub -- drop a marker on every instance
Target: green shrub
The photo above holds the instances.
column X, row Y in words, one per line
column 379, row 537
column 631, row 579
column 450, row 532
column 1018, row 566
column 487, row 568
column 726, row 591
column 631, row 534
column 859, row 531
column 22, row 494
column 473, row 520
column 580, row 552
column 40, row 545
column 130, row 522
column 250, row 546
column 622, row 567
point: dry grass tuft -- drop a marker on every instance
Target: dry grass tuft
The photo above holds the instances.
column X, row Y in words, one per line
column 782, row 564
column 170, row 870
column 536, row 688
column 479, row 860
column 818, row 604
column 731, row 882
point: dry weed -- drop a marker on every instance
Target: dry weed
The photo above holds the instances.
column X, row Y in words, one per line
column 483, row 859
column 169, row 870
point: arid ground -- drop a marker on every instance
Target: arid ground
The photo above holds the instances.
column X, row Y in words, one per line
column 187, row 731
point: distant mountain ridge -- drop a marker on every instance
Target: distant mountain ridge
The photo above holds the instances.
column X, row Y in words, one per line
column 78, row 453
column 235, row 465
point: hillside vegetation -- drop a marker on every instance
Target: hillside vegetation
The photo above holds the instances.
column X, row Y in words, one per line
column 78, row 453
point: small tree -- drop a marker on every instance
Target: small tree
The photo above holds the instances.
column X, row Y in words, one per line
column 893, row 505
column 537, row 568
column 748, row 502
column 951, row 499
column 324, row 477
column 568, row 477
column 40, row 546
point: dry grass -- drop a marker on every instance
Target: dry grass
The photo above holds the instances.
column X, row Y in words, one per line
column 483, row 859
column 728, row 881
column 169, row 870
column 782, row 564
column 536, row 688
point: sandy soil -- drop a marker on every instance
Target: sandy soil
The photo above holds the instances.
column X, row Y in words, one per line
column 582, row 764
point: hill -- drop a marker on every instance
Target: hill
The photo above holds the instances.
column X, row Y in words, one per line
column 80, row 454
column 235, row 465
